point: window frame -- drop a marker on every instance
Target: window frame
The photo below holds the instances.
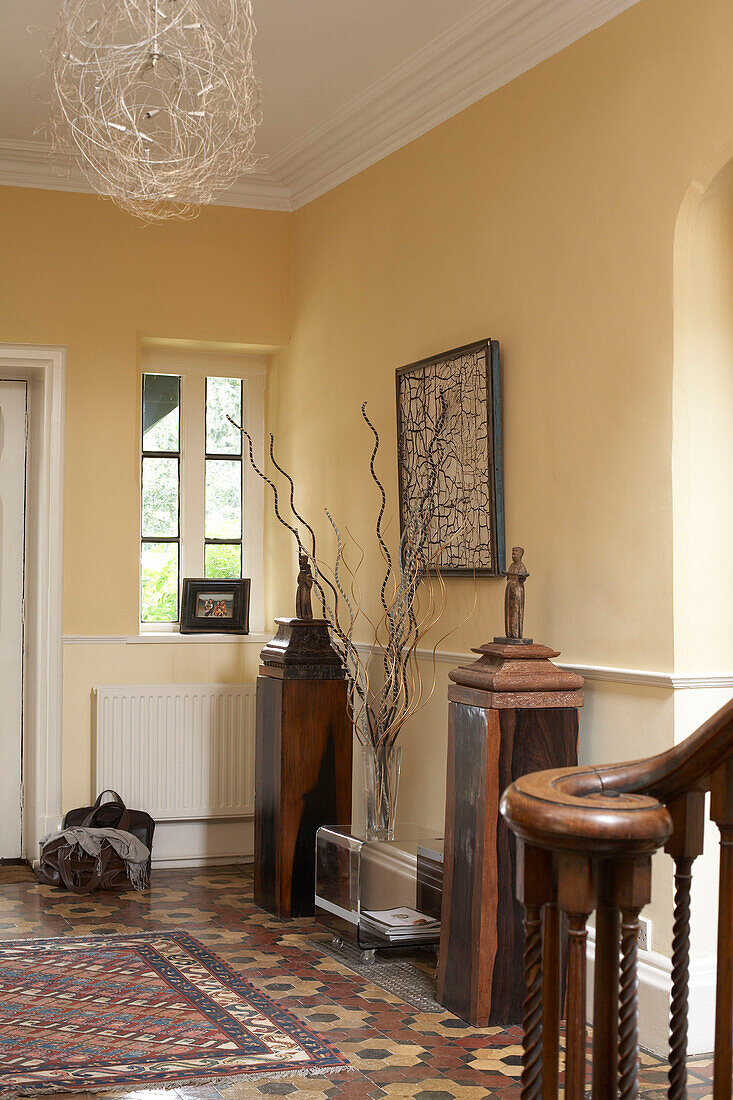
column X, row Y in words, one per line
column 194, row 368
column 224, row 456
column 156, row 540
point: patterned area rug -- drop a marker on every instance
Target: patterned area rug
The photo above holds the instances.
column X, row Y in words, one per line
column 102, row 1012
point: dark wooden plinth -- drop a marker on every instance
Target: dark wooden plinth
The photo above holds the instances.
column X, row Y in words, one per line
column 302, row 763
column 510, row 713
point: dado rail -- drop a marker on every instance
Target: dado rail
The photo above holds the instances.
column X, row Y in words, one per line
column 585, row 839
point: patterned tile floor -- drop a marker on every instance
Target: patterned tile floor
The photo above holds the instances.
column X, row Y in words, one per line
column 396, row 1051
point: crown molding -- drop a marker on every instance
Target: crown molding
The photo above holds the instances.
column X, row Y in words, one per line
column 496, row 43
column 30, row 164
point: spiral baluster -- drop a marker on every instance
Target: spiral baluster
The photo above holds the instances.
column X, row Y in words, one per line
column 628, row 1028
column 680, row 981
column 532, row 1055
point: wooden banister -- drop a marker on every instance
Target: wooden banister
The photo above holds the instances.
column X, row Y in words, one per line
column 585, row 838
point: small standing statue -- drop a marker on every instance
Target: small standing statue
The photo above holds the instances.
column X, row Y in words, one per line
column 516, row 575
column 303, row 609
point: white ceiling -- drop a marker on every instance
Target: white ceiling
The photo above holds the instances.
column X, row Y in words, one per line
column 310, row 54
column 344, row 81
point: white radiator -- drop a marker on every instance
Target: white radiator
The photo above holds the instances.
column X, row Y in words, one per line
column 183, row 752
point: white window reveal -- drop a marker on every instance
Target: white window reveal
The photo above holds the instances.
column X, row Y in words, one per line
column 201, row 502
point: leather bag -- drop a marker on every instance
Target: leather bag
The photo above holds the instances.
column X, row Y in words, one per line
column 66, row 866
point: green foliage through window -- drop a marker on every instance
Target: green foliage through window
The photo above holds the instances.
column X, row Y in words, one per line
column 159, row 582
column 223, row 561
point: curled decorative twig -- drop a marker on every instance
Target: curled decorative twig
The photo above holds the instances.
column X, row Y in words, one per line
column 261, row 474
column 379, row 711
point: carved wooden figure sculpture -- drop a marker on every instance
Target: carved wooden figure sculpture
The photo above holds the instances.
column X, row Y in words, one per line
column 303, row 608
column 516, row 575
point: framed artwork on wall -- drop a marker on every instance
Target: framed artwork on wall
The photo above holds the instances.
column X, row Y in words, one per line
column 215, row 606
column 467, row 535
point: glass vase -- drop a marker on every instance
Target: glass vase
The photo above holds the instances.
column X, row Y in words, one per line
column 381, row 785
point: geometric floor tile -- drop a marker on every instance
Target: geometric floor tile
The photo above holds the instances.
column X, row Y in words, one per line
column 336, row 1017
column 450, row 1026
column 434, row 1088
column 506, row 1060
column 376, row 1053
column 398, row 1052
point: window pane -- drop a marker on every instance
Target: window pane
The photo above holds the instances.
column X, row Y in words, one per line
column 160, row 497
column 159, row 582
column 222, row 560
column 223, row 398
column 223, row 499
column 161, row 409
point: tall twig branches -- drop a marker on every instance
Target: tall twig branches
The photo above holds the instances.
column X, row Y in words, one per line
column 381, row 708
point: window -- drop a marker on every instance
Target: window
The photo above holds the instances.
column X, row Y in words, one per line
column 160, row 551
column 223, row 494
column 201, row 505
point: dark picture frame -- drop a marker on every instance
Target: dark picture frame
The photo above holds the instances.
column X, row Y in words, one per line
column 215, row 606
column 467, row 538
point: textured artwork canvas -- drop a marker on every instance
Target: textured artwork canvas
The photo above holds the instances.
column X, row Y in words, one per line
column 467, row 525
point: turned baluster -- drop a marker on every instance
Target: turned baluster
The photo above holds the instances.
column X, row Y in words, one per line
column 721, row 811
column 685, row 845
column 605, row 990
column 633, row 890
column 575, row 1029
column 532, row 1023
column 551, row 998
column 628, row 1031
column 534, row 889
column 576, row 897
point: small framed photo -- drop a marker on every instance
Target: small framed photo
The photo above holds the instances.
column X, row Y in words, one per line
column 215, row 607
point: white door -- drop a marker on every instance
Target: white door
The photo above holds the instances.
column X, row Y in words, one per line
column 13, row 418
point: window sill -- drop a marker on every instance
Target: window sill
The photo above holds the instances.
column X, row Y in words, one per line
column 167, row 638
column 176, row 637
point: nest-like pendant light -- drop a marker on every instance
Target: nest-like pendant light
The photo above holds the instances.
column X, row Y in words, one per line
column 156, row 100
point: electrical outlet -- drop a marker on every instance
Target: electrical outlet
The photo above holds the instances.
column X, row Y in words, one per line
column 645, row 934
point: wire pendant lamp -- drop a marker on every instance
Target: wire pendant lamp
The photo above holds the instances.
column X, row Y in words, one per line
column 155, row 100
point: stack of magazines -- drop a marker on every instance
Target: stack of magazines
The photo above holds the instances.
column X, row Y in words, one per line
column 400, row 925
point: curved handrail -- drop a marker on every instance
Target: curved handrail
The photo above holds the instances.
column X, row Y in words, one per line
column 627, row 801
column 686, row 767
column 551, row 810
column 585, row 838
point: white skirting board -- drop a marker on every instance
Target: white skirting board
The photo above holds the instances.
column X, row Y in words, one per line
column 655, row 986
column 203, row 843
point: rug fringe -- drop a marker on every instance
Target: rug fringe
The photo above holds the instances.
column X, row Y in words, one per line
column 170, row 1086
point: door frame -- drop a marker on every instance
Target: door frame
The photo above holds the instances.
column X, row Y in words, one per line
column 44, row 368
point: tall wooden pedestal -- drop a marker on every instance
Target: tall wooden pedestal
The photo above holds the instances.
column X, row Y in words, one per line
column 510, row 713
column 302, row 763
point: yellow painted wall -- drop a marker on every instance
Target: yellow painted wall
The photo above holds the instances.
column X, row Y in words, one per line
column 543, row 216
column 703, row 442
column 76, row 271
